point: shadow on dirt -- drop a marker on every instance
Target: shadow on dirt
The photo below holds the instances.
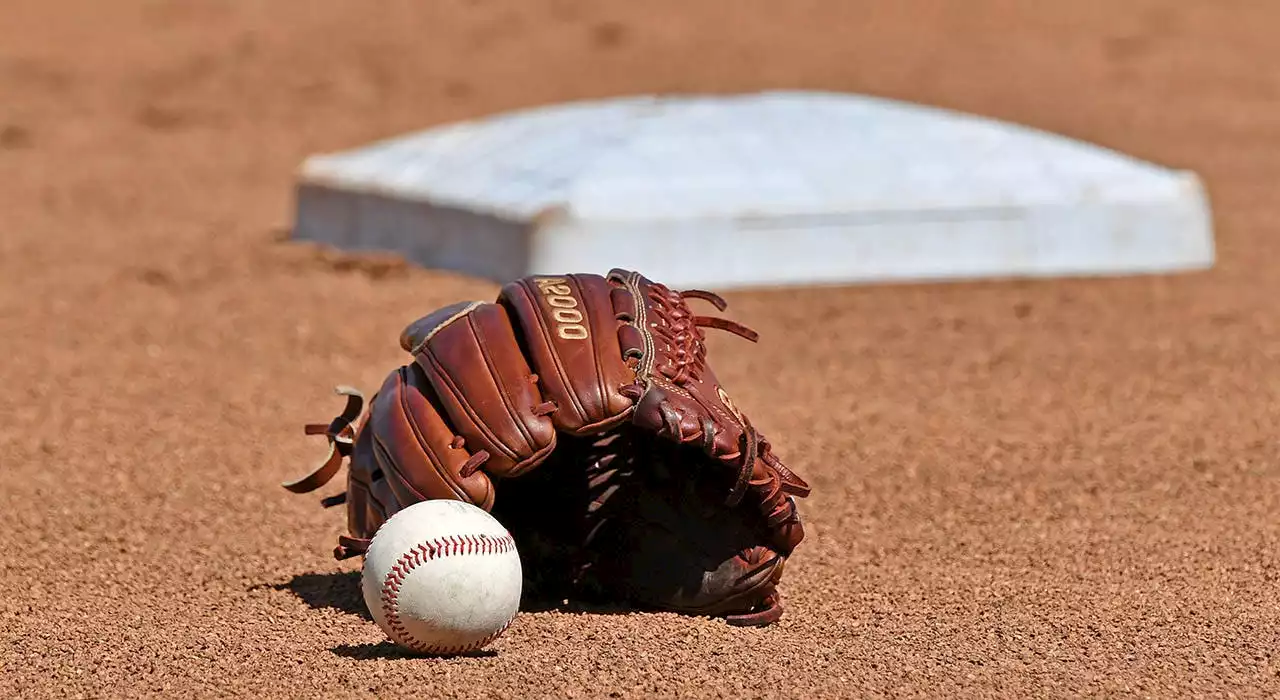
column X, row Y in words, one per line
column 388, row 650
column 534, row 604
column 341, row 591
column 338, row 590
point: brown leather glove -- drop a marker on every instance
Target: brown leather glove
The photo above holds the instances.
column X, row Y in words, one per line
column 574, row 376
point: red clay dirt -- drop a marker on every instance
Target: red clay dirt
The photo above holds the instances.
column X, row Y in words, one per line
column 1023, row 489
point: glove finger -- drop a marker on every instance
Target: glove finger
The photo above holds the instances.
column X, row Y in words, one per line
column 486, row 391
column 570, row 333
column 418, row 453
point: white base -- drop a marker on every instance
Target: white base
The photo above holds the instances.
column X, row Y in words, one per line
column 701, row 192
column 1084, row 241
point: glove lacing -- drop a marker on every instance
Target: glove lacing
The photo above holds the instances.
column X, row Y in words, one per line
column 681, row 329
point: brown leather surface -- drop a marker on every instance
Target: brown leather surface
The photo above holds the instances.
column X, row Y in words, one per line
column 415, row 447
column 487, row 390
column 570, row 332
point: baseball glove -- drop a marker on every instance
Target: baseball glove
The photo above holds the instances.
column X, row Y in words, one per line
column 627, row 473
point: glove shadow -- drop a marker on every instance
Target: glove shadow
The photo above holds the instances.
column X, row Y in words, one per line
column 340, row 590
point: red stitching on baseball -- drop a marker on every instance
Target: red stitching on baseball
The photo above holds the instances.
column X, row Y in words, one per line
column 426, row 551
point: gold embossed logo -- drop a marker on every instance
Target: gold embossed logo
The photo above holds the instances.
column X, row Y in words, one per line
column 728, row 403
column 566, row 311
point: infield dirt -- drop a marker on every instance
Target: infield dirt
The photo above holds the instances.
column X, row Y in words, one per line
column 1046, row 489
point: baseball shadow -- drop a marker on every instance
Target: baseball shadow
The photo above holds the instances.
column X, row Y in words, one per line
column 389, row 650
column 340, row 590
column 337, row 590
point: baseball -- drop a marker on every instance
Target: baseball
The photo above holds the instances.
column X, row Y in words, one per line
column 442, row 577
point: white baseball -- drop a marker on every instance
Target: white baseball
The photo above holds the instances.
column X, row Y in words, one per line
column 442, row 577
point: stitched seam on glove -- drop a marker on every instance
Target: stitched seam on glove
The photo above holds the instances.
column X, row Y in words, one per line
column 466, row 310
column 464, row 401
column 544, row 330
column 589, row 313
column 641, row 321
column 442, row 470
column 677, row 389
column 504, row 390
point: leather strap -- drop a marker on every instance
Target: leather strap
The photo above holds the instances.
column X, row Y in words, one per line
column 349, row 547
column 769, row 615
column 341, row 440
